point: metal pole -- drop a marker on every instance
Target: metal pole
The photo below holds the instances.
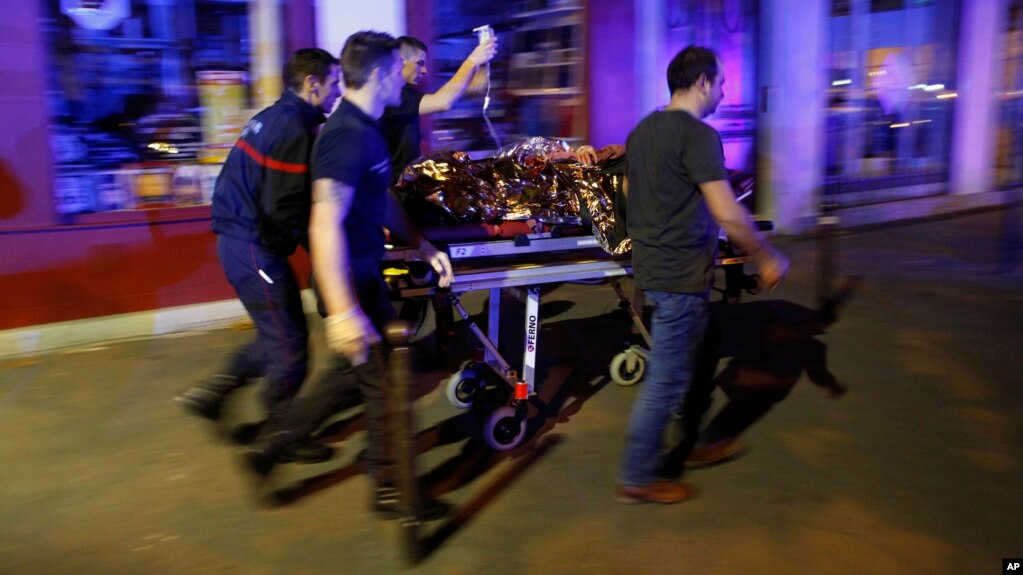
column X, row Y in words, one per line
column 398, row 334
column 1009, row 238
column 826, row 226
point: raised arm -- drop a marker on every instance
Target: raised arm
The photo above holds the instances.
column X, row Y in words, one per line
column 449, row 93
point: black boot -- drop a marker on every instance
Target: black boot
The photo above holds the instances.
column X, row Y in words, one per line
column 265, row 454
column 308, row 451
column 207, row 398
column 387, row 505
column 280, row 447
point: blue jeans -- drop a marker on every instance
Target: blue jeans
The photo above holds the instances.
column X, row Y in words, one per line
column 679, row 325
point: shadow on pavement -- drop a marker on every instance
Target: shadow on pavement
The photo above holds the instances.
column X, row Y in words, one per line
column 770, row 345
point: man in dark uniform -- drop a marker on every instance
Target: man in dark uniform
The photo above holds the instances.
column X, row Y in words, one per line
column 352, row 203
column 261, row 206
column 678, row 194
column 400, row 125
column 400, row 122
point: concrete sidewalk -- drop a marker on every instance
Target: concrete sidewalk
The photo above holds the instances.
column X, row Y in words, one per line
column 917, row 469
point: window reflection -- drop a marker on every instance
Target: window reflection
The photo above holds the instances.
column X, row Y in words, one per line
column 892, row 93
column 130, row 121
column 1010, row 133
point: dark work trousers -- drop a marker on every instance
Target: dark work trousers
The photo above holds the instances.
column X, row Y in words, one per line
column 266, row 286
column 344, row 385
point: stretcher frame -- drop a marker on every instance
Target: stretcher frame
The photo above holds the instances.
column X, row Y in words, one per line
column 576, row 259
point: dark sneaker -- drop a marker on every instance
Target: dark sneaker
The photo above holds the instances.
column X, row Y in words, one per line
column 656, row 492
column 201, row 402
column 258, row 461
column 262, row 457
column 307, row 452
column 246, row 433
column 387, row 505
column 206, row 399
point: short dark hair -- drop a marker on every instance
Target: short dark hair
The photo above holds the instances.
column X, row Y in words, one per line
column 364, row 51
column 406, row 42
column 307, row 62
column 688, row 65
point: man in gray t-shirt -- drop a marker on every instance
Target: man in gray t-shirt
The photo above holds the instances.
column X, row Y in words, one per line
column 674, row 236
column 678, row 194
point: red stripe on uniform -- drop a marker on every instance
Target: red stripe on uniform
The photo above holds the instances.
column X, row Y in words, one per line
column 270, row 162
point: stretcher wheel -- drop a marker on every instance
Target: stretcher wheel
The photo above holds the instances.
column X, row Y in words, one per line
column 504, row 429
column 627, row 368
column 463, row 387
column 757, row 284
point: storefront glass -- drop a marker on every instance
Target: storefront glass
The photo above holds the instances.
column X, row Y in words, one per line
column 1010, row 132
column 731, row 27
column 536, row 84
column 892, row 93
column 145, row 97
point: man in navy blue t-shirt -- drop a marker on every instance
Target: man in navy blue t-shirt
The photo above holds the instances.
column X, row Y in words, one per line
column 352, row 203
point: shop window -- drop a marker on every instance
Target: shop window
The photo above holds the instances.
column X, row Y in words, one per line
column 536, row 82
column 145, row 97
column 1009, row 170
column 731, row 27
column 886, row 5
column 891, row 98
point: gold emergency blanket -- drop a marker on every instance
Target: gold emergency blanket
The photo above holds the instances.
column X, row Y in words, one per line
column 520, row 182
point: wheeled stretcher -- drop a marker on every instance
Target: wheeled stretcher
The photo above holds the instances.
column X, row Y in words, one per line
column 526, row 262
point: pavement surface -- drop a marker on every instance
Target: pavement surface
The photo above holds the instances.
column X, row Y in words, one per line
column 917, row 469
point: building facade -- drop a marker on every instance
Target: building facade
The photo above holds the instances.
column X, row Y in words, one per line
column 117, row 112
